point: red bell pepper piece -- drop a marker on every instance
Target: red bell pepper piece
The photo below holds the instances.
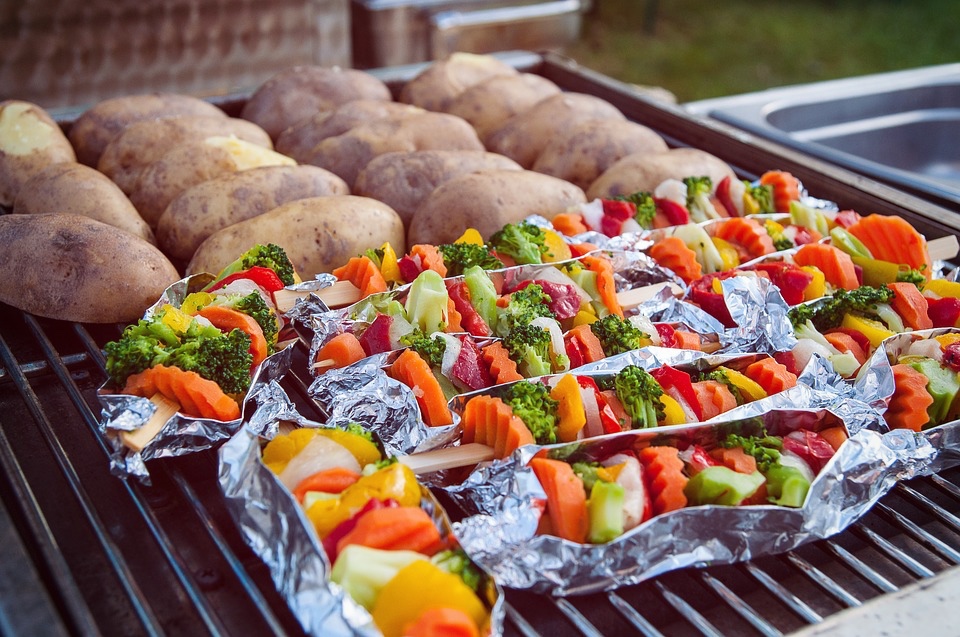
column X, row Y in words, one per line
column 723, row 194
column 789, row 278
column 574, row 349
column 944, row 312
column 608, row 419
column 469, row 317
column 614, row 214
column 951, row 356
column 676, row 214
column 376, row 338
column 330, row 542
column 846, row 218
column 803, row 236
column 697, row 459
column 668, row 335
column 266, row 278
column 701, row 292
column 678, row 385
column 810, row 446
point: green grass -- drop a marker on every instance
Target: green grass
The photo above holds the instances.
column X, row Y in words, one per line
column 709, row 48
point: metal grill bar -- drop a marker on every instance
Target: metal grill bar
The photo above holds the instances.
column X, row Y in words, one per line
column 887, row 547
column 631, row 614
column 36, row 368
column 949, row 487
column 858, row 566
column 820, row 579
column 930, row 506
column 576, row 618
column 521, row 624
column 741, row 607
column 791, row 601
column 688, row 612
column 913, row 529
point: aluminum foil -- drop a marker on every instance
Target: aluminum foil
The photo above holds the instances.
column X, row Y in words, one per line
column 274, row 525
column 310, row 303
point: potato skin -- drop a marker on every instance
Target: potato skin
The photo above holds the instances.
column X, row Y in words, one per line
column 489, row 104
column 523, row 137
column 72, row 188
column 487, row 201
column 94, row 129
column 403, row 180
column 583, row 152
column 142, row 143
column 29, row 142
column 644, row 172
column 318, row 234
column 212, row 205
column 440, row 82
column 296, row 93
column 74, row 268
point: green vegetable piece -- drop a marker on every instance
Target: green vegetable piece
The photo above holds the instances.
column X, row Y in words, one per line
column 430, row 347
column 646, row 207
column 427, row 300
column 587, row 280
column 786, row 486
column 457, row 562
column 460, row 256
column 531, row 402
column 605, row 508
column 363, row 571
column 587, row 472
column 639, row 393
column 721, row 485
column 617, row 335
column 849, row 243
column 810, row 218
column 483, row 294
column 942, row 385
column 524, row 242
column 268, row 255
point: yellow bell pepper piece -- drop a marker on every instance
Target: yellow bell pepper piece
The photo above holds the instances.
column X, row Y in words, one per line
column 175, row 318
column 672, row 411
column 942, row 288
column 557, row 248
column 875, row 331
column 362, row 449
column 750, row 390
column 818, row 286
column 947, row 339
column 729, row 257
column 194, row 301
column 610, row 474
column 571, row 416
column 388, row 264
column 586, row 315
column 717, row 286
column 750, row 205
column 471, row 235
column 284, row 447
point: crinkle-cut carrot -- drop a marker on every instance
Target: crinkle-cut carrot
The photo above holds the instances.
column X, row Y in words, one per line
column 786, row 188
column 664, row 471
column 343, row 349
column 569, row 223
column 364, row 274
column 714, row 397
column 170, row 383
column 907, row 408
column 414, row 372
column 747, row 234
column 577, row 250
column 333, row 480
column 910, row 305
column 454, row 318
column 673, row 253
column 503, row 369
column 735, row 458
column 566, row 498
column 589, row 343
column 490, row 421
column 836, row 265
column 228, row 319
column 687, row 340
column 770, row 375
column 208, row 399
column 835, row 436
column 394, row 529
column 846, row 343
column 442, row 622
column 605, row 283
column 430, row 258
column 892, row 238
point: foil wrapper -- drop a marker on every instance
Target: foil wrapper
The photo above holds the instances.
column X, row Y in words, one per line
column 310, row 303
column 274, row 525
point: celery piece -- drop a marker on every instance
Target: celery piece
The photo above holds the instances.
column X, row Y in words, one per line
column 605, row 509
column 587, row 280
column 786, row 486
column 362, row 571
column 842, row 239
column 721, row 485
column 483, row 294
column 427, row 301
column 942, row 384
column 810, row 218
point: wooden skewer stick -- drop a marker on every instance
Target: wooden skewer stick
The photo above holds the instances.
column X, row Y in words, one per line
column 944, row 248
column 340, row 294
column 139, row 438
column 448, row 458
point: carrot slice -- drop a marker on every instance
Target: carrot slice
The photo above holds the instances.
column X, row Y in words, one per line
column 414, row 372
column 664, row 471
column 836, row 265
column 714, row 397
column 846, row 343
column 169, row 384
column 394, row 529
column 786, row 188
column 503, row 369
column 735, row 458
column 673, row 253
column 430, row 258
column 454, row 317
column 566, row 498
column 343, row 349
column 605, row 283
column 227, row 319
column 747, row 234
column 907, row 408
column 209, row 400
column 579, row 249
column 910, row 305
column 835, row 436
column 687, row 340
column 333, row 480
column 569, row 223
column 892, row 238
column 589, row 343
column 770, row 375
column 442, row 622
column 363, row 273
column 490, row 421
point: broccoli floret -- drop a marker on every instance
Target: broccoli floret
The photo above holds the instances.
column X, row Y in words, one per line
column 829, row 313
column 224, row 359
column 460, row 256
column 646, row 207
column 357, row 429
column 455, row 561
column 268, row 256
column 523, row 242
column 531, row 402
column 640, row 393
column 775, row 230
column 587, row 471
column 618, row 335
column 911, row 276
column 430, row 348
column 762, row 195
column 697, row 186
column 766, row 449
column 530, row 347
column 525, row 305
column 375, row 255
column 254, row 306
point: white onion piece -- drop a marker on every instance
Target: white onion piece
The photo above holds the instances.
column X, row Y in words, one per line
column 592, row 213
column 790, row 459
column 450, row 353
column 927, row 347
column 554, row 275
column 737, row 191
column 646, row 326
column 556, row 338
column 889, row 316
column 631, row 479
column 804, row 350
column 593, row 426
column 631, row 225
column 244, row 287
column 319, row 454
column 672, row 189
column 399, row 327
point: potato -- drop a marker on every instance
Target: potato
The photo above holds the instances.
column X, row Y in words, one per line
column 73, row 268
column 294, row 94
column 29, row 142
column 347, row 154
column 72, row 188
column 94, row 129
column 488, row 201
column 193, row 163
column 142, row 143
column 403, row 180
column 318, row 234
column 524, row 136
column 209, row 206
column 644, row 172
column 297, row 141
column 436, row 86
column 489, row 104
column 583, row 152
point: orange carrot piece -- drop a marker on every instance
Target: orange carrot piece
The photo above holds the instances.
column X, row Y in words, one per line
column 442, row 622
column 910, row 305
column 736, row 459
column 394, row 529
column 714, row 397
column 169, row 382
column 566, row 498
column 835, row 436
column 454, row 318
column 490, row 421
column 892, row 238
column 687, row 340
column 228, row 319
column 590, row 344
column 208, row 398
column 907, row 408
column 664, row 470
column 836, row 265
column 673, row 253
column 747, row 234
column 846, row 343
column 503, row 369
column 770, row 375
column 363, row 273
column 333, row 480
column 605, row 283
column 786, row 188
column 343, row 349
column 414, row 372
column 568, row 223
column 579, row 249
column 430, row 258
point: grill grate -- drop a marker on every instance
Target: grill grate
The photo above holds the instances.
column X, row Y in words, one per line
column 117, row 557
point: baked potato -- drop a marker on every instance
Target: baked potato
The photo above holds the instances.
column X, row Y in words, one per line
column 644, row 172
column 29, row 142
column 318, row 234
column 142, row 143
column 402, row 180
column 201, row 210
column 73, row 268
column 489, row 104
column 436, row 86
column 96, row 126
column 192, row 163
column 524, row 136
column 583, row 152
column 487, row 201
column 76, row 189
column 347, row 154
column 294, row 94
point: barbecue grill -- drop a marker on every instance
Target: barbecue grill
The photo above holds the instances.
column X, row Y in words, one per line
column 84, row 552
